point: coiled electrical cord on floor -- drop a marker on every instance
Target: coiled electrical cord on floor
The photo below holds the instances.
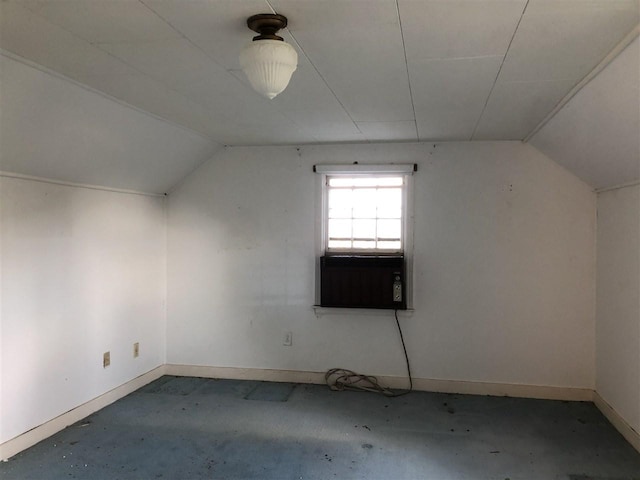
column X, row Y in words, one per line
column 340, row 379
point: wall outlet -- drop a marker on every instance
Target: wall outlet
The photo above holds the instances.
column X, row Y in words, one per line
column 287, row 340
column 136, row 350
column 106, row 359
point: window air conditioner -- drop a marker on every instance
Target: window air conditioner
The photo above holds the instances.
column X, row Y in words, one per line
column 362, row 282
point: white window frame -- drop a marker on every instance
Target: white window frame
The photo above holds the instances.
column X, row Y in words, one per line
column 350, row 170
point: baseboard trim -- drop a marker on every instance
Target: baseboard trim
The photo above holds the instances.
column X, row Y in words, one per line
column 14, row 446
column 617, row 421
column 235, row 373
column 30, row 438
column 543, row 392
column 422, row 384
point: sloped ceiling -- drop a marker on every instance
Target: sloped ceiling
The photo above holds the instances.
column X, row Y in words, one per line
column 369, row 70
column 597, row 134
column 55, row 129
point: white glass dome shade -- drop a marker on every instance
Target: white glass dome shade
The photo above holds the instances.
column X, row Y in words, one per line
column 269, row 65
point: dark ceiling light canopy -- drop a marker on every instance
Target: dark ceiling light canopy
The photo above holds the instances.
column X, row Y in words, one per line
column 267, row 25
column 268, row 61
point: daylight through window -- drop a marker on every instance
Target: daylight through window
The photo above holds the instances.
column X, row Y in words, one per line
column 365, row 213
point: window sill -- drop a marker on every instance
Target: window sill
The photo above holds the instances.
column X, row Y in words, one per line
column 380, row 312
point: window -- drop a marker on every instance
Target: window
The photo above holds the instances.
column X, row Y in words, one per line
column 365, row 249
column 364, row 213
column 365, row 209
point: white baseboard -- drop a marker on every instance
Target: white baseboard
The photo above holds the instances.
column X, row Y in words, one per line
column 422, row 384
column 27, row 439
column 515, row 390
column 235, row 373
column 11, row 447
column 617, row 421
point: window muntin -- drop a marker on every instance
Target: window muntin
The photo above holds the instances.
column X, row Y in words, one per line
column 365, row 213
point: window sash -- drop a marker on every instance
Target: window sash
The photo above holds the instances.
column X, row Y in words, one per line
column 365, row 228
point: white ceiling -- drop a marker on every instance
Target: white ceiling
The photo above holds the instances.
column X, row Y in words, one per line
column 369, row 70
column 56, row 129
column 597, row 134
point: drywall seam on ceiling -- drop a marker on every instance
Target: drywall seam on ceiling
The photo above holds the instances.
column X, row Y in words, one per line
column 77, row 185
column 406, row 66
column 60, row 76
column 324, row 80
column 495, row 80
column 624, row 43
column 618, row 187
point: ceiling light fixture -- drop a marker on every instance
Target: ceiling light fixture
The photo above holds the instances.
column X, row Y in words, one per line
column 268, row 61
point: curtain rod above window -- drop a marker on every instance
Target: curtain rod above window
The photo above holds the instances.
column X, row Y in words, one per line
column 363, row 169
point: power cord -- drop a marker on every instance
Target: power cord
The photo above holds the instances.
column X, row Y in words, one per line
column 406, row 356
column 340, row 379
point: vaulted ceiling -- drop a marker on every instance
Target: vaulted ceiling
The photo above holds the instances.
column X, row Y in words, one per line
column 369, row 70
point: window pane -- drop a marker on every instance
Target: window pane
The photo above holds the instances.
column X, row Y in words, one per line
column 389, row 245
column 390, row 181
column 377, row 181
column 364, row 203
column 364, row 229
column 389, row 202
column 340, row 213
column 340, row 198
column 339, row 228
column 364, row 212
column 340, row 181
column 339, row 244
column 389, row 229
column 389, row 212
column 365, row 181
column 369, row 245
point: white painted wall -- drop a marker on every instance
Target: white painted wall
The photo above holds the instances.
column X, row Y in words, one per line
column 618, row 302
column 83, row 272
column 504, row 268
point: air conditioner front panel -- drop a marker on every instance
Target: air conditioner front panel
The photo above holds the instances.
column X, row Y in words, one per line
column 362, row 282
